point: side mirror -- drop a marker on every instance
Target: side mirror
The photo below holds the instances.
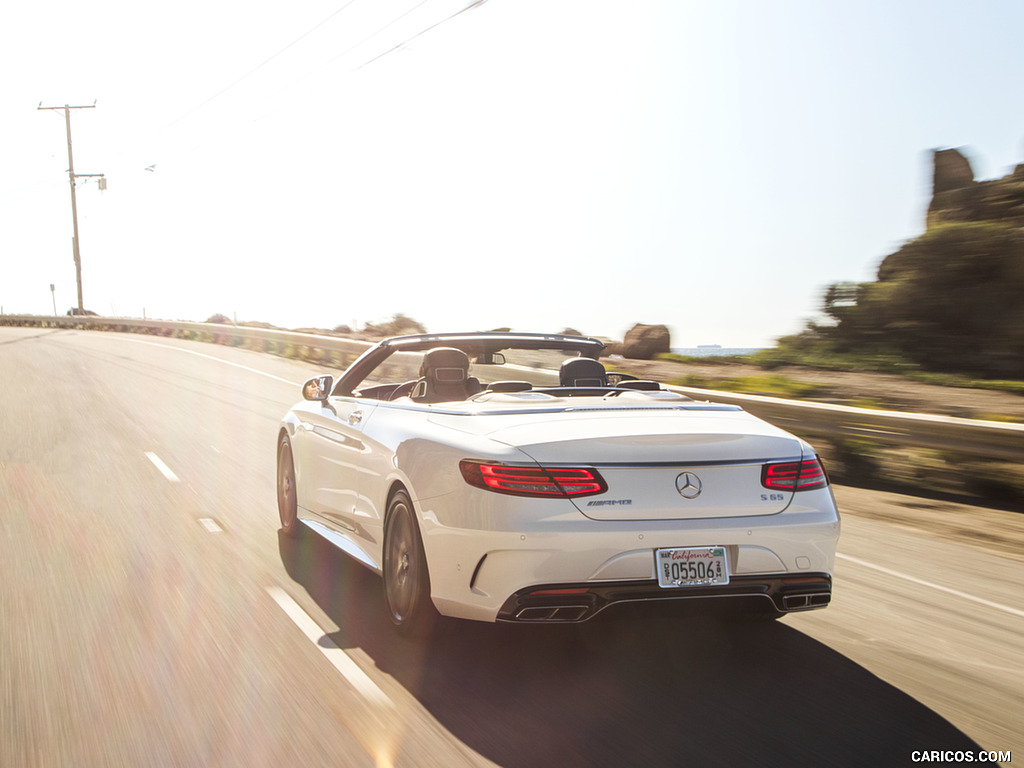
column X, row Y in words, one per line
column 318, row 389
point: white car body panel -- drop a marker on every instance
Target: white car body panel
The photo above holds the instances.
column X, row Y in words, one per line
column 483, row 547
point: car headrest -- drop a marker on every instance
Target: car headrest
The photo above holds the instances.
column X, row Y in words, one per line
column 445, row 364
column 582, row 372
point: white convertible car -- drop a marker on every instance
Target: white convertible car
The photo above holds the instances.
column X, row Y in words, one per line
column 510, row 477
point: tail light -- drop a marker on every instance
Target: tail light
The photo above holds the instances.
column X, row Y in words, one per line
column 806, row 475
column 533, row 481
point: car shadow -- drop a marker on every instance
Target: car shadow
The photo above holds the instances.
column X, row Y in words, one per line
column 631, row 687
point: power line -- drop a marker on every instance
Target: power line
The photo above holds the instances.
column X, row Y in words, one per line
column 366, row 39
column 225, row 89
column 374, row 34
column 469, row 7
column 228, row 87
column 252, row 71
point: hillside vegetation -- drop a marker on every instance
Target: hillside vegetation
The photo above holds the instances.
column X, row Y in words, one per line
column 949, row 301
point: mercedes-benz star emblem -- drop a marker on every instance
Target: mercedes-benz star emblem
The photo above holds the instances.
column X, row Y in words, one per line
column 689, row 485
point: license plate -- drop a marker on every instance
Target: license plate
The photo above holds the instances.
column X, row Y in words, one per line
column 691, row 567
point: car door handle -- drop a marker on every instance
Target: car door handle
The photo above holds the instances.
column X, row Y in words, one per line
column 355, row 417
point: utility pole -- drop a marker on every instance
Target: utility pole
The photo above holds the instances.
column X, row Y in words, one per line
column 74, row 205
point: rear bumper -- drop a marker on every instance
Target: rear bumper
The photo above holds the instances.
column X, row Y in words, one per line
column 568, row 603
column 481, row 554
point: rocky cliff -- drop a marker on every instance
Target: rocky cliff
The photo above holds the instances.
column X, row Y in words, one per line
column 953, row 298
column 957, row 197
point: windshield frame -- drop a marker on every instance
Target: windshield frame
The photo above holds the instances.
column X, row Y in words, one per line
column 473, row 344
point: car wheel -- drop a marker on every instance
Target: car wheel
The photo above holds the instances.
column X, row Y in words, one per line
column 406, row 580
column 287, row 506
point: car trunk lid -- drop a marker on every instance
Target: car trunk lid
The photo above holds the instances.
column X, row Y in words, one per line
column 666, row 466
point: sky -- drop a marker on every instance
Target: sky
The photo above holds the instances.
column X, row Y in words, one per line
column 534, row 164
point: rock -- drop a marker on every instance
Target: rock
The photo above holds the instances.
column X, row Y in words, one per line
column 952, row 171
column 643, row 342
column 959, row 198
column 612, row 348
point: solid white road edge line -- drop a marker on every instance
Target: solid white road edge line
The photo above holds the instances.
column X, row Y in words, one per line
column 211, row 357
column 341, row 660
column 923, row 583
column 164, row 469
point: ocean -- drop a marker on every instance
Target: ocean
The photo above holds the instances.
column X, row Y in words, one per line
column 713, row 350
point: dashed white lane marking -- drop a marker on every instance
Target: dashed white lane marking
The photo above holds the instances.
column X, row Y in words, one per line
column 923, row 583
column 164, row 469
column 210, row 525
column 341, row 660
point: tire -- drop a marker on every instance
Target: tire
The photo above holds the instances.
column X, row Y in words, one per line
column 406, row 577
column 287, row 505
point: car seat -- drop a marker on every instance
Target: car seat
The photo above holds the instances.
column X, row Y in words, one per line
column 444, row 377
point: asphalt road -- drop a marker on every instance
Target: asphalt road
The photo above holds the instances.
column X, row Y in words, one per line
column 153, row 616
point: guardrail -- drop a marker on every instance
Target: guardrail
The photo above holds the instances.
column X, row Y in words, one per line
column 988, row 439
column 315, row 348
